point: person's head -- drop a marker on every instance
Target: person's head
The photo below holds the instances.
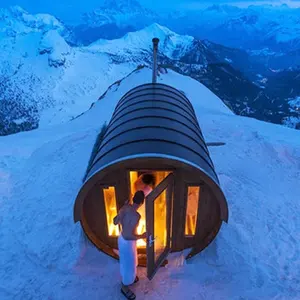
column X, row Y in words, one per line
column 138, row 199
column 148, row 179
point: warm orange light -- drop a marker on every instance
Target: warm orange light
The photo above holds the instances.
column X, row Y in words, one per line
column 192, row 210
column 160, row 212
column 111, row 210
column 160, row 176
column 160, row 224
column 141, row 229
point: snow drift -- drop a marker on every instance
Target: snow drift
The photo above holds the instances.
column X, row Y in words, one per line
column 255, row 256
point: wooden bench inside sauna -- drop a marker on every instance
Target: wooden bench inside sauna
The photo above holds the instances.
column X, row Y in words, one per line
column 153, row 142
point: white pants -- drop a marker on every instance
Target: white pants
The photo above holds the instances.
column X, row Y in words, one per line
column 128, row 260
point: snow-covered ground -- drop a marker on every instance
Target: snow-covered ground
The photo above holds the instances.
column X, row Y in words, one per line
column 256, row 256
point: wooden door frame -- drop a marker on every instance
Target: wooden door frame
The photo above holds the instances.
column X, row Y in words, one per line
column 168, row 185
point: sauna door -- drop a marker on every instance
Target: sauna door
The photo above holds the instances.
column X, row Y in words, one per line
column 158, row 224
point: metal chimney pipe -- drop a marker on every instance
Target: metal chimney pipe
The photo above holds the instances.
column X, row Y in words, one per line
column 155, row 42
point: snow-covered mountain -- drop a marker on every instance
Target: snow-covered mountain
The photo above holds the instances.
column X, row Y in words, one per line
column 214, row 65
column 255, row 256
column 255, row 27
column 174, row 45
column 112, row 19
column 120, row 12
column 46, row 81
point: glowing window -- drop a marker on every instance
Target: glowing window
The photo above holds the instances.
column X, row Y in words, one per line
column 111, row 210
column 192, row 210
column 160, row 224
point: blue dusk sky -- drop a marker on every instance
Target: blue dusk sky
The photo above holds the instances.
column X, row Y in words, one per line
column 71, row 10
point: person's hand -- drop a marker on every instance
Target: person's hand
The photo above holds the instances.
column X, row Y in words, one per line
column 144, row 235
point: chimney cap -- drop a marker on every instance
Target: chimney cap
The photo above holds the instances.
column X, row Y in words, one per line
column 155, row 41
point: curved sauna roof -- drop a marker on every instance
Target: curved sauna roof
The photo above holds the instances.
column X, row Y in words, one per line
column 157, row 120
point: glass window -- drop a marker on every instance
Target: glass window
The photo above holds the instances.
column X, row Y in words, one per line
column 160, row 224
column 192, row 210
column 111, row 210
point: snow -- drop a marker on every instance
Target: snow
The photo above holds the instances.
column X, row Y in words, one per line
column 293, row 122
column 20, row 121
column 142, row 39
column 56, row 46
column 66, row 80
column 294, row 103
column 60, row 80
column 255, row 256
column 263, row 52
column 20, row 21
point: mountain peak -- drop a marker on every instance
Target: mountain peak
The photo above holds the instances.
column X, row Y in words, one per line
column 168, row 39
column 16, row 20
column 157, row 29
column 161, row 32
column 170, row 42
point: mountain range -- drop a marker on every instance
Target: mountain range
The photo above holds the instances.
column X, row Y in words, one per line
column 46, row 80
column 257, row 27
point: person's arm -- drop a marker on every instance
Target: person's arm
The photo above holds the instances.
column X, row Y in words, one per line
column 135, row 237
column 116, row 220
column 141, row 236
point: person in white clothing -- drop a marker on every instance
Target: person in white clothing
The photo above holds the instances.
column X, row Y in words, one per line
column 129, row 219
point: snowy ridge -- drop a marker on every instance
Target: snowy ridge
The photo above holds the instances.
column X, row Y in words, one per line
column 255, row 256
column 45, row 81
column 40, row 70
column 258, row 26
column 142, row 39
column 56, row 46
column 15, row 20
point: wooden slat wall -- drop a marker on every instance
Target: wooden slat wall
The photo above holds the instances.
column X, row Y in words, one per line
column 94, row 213
column 178, row 213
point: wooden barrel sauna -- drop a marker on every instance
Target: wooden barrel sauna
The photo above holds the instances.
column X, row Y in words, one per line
column 153, row 141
